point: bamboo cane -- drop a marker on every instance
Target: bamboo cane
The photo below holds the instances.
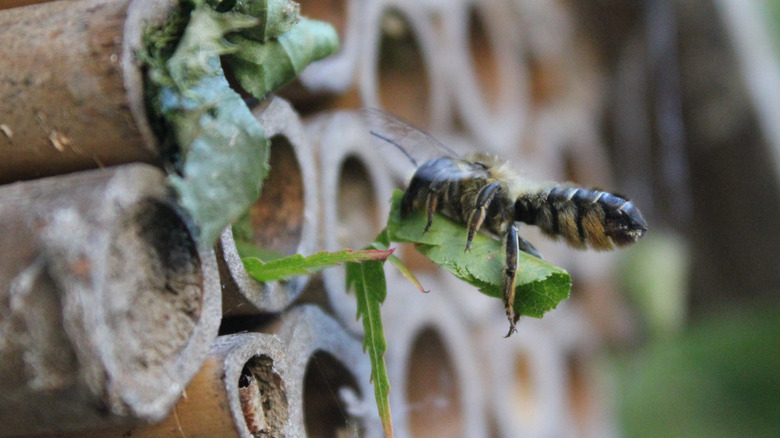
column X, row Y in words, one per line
column 526, row 387
column 71, row 88
column 485, row 71
column 329, row 392
column 356, row 189
column 399, row 70
column 437, row 385
column 336, row 73
column 106, row 306
column 8, row 4
column 239, row 392
column 283, row 219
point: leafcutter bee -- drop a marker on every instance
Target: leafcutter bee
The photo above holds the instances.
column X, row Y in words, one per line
column 482, row 192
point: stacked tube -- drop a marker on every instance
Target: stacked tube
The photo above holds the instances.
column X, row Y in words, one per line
column 283, row 367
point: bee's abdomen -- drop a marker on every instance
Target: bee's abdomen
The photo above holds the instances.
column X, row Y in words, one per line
column 585, row 218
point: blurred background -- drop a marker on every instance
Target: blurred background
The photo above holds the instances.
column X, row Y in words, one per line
column 675, row 104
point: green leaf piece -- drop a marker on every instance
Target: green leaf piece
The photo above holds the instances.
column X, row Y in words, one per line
column 294, row 265
column 209, row 136
column 406, row 272
column 367, row 279
column 217, row 151
column 197, row 53
column 262, row 67
column 540, row 285
column 226, row 161
column 275, row 16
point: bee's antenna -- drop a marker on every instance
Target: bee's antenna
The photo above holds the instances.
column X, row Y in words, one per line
column 392, row 142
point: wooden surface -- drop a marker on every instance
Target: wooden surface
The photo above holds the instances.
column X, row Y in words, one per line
column 71, row 97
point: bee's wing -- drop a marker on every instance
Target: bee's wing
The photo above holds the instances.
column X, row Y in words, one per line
column 417, row 145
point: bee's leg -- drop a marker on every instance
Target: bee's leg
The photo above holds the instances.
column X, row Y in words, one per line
column 432, row 198
column 510, row 274
column 477, row 216
column 430, row 205
column 526, row 246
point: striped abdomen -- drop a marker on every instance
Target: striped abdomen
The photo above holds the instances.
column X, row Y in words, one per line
column 585, row 218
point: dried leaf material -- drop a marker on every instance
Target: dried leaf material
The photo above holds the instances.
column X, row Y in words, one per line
column 219, row 150
column 367, row 279
column 216, row 148
column 275, row 16
column 226, row 161
column 209, row 136
column 263, row 67
column 197, row 53
column 288, row 267
column 540, row 286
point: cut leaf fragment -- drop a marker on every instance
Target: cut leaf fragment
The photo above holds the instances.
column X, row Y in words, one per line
column 367, row 279
column 261, row 67
column 288, row 267
column 275, row 16
column 221, row 153
column 216, row 150
column 540, row 286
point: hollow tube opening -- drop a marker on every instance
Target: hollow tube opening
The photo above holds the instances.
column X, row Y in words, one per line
column 526, row 400
column 580, row 392
column 358, row 210
column 484, row 59
column 277, row 217
column 155, row 277
column 329, row 394
column 432, row 392
column 403, row 78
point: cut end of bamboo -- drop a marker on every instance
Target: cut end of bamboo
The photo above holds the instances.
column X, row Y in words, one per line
column 356, row 187
column 280, row 223
column 277, row 217
column 131, row 304
column 167, row 296
column 329, row 375
column 432, row 387
column 432, row 366
column 404, row 83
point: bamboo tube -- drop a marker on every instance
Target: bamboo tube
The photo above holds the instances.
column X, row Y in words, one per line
column 527, row 378
column 495, row 118
column 71, row 89
column 106, row 306
column 329, row 389
column 356, row 190
column 544, row 382
column 239, row 392
column 400, row 68
column 587, row 409
column 8, row 4
column 437, row 387
column 335, row 74
column 283, row 218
